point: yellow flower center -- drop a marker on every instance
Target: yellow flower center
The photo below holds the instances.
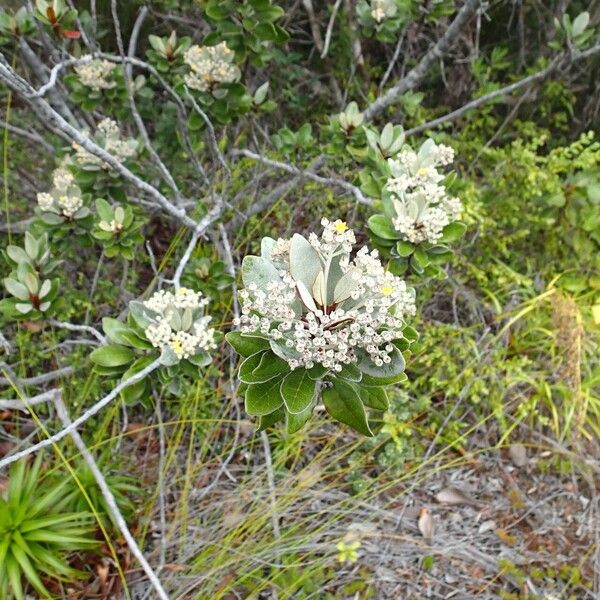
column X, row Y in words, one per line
column 177, row 347
column 341, row 227
column 422, row 172
column 386, row 290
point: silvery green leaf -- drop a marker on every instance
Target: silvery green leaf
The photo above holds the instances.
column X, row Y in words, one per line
column 119, row 214
column 31, row 246
column 425, row 151
column 580, row 23
column 283, row 351
column 346, row 285
column 398, row 142
column 305, row 263
column 318, row 289
column 23, row 308
column 143, row 316
column 44, row 306
column 258, row 270
column 343, row 121
column 261, row 93
column 352, row 109
column 32, row 283
column 51, row 218
column 335, row 274
column 168, row 358
column 104, row 210
column 186, row 319
column 82, row 213
column 16, row 288
column 305, row 296
column 387, row 136
column 372, row 139
column 45, row 289
column 157, row 43
column 105, row 226
column 174, row 318
column 16, row 254
column 266, row 247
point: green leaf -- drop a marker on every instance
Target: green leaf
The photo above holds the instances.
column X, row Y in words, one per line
column 114, row 330
column 452, row 232
column 248, row 365
column 420, row 257
column 343, row 404
column 112, row 356
column 270, row 366
column 350, row 372
column 104, row 210
column 266, row 421
column 404, row 249
column 295, row 422
column 297, row 390
column 246, row 345
column 29, row 570
column 382, row 227
column 317, row 372
column 384, row 375
column 375, row 397
column 263, row 398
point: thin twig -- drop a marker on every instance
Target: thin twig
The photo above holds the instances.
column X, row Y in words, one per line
column 330, row 28
column 83, row 328
column 24, row 404
column 111, row 503
column 418, row 73
column 506, row 90
column 211, row 135
column 166, row 174
column 88, row 414
column 329, row 181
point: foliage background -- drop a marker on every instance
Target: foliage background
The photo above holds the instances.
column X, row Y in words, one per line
column 493, row 438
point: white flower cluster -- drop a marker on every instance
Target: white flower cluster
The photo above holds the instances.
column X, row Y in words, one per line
column 108, row 137
column 421, row 203
column 210, row 66
column 383, row 9
column 64, row 198
column 179, row 325
column 352, row 305
column 95, row 73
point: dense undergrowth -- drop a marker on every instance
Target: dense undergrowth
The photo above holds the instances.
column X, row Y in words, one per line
column 477, row 475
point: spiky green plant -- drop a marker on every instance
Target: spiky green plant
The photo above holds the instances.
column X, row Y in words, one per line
column 36, row 532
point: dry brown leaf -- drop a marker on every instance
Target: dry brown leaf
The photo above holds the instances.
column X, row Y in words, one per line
column 426, row 524
column 102, row 572
column 453, row 495
column 32, row 326
column 518, row 455
column 505, row 537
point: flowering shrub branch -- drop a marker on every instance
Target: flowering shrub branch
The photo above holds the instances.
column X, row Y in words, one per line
column 317, row 324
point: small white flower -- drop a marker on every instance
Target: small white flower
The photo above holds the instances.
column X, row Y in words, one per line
column 178, row 326
column 45, row 201
column 421, row 204
column 367, row 314
column 210, row 66
column 383, row 9
column 95, row 73
column 108, row 137
column 64, row 198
